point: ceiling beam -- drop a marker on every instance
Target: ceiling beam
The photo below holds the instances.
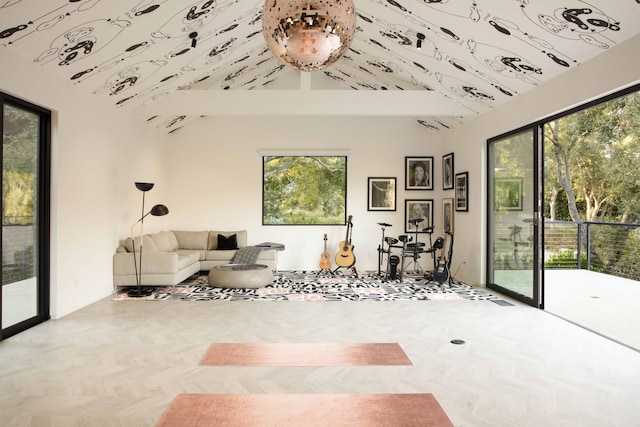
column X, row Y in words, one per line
column 416, row 103
column 305, row 80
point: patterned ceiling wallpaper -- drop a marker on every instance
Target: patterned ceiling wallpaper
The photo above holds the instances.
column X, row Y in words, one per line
column 478, row 53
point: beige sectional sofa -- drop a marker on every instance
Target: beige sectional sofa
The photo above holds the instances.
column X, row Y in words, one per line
column 169, row 257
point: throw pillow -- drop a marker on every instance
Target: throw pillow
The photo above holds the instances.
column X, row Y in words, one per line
column 227, row 243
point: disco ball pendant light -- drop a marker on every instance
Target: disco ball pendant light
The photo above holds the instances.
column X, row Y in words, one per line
column 308, row 34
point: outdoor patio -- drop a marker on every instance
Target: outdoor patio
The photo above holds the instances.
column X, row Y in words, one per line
column 605, row 304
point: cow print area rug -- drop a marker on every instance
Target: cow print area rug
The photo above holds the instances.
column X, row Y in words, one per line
column 311, row 286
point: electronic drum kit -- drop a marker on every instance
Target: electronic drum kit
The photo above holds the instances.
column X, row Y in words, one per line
column 409, row 248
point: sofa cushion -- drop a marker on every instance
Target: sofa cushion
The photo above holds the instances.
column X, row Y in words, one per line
column 192, row 239
column 148, row 244
column 165, row 241
column 196, row 254
column 241, row 238
column 227, row 243
column 186, row 259
column 173, row 240
column 227, row 256
column 217, row 255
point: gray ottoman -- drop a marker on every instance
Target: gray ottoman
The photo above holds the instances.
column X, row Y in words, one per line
column 240, row 276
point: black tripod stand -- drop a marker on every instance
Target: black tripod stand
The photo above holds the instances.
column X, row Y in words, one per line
column 381, row 249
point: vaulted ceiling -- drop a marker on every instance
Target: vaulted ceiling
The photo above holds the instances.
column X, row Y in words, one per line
column 143, row 56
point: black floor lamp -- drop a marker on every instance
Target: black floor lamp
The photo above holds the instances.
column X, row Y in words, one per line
column 157, row 210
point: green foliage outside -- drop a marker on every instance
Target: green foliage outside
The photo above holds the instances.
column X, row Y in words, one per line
column 19, row 148
column 19, row 193
column 304, row 190
column 615, row 250
column 592, row 174
column 566, row 259
column 592, row 163
column 627, row 258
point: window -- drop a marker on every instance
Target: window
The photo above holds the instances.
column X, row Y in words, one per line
column 304, row 190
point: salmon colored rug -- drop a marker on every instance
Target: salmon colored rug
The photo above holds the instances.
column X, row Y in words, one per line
column 302, row 410
column 304, row 354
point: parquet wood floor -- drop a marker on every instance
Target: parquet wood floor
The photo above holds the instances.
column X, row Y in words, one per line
column 121, row 363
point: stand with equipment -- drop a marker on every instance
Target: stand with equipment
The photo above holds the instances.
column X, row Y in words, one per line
column 405, row 239
column 325, row 262
column 381, row 249
column 345, row 257
column 408, row 250
column 394, row 260
column 413, row 250
column 442, row 272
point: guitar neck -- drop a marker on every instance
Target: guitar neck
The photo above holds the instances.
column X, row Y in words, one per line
column 347, row 236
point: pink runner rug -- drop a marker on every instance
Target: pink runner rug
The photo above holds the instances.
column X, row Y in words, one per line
column 304, row 354
column 303, row 410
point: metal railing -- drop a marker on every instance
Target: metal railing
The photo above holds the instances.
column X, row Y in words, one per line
column 18, row 254
column 611, row 248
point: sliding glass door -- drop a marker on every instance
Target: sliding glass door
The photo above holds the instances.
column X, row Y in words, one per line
column 513, row 238
column 25, row 198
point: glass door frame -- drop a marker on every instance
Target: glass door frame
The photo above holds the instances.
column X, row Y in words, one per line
column 43, row 212
column 537, row 192
column 538, row 131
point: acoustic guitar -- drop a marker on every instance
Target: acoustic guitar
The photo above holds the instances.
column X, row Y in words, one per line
column 345, row 256
column 325, row 262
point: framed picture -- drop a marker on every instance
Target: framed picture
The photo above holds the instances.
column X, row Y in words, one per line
column 381, row 194
column 418, row 215
column 418, row 173
column 462, row 192
column 508, row 196
column 447, row 215
column 447, row 172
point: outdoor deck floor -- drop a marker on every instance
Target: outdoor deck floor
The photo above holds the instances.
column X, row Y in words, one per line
column 605, row 304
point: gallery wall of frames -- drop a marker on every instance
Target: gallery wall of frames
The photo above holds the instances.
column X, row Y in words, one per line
column 418, row 176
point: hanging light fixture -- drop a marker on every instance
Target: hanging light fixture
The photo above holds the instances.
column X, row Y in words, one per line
column 308, row 34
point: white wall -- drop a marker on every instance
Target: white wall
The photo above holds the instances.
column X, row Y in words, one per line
column 215, row 178
column 611, row 71
column 97, row 155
